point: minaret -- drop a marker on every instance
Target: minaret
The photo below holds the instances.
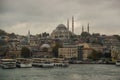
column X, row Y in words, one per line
column 68, row 27
column 82, row 28
column 72, row 24
column 68, row 24
column 88, row 28
column 28, row 36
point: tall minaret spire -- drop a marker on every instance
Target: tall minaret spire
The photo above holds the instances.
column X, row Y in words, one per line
column 68, row 24
column 88, row 28
column 28, row 36
column 72, row 24
column 82, row 28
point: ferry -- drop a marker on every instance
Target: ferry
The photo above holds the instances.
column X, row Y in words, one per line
column 65, row 63
column 37, row 62
column 42, row 62
column 118, row 63
column 24, row 63
column 8, row 63
column 59, row 62
column 47, row 65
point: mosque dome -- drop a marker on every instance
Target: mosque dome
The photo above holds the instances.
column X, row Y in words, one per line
column 61, row 32
column 45, row 46
column 61, row 27
column 85, row 34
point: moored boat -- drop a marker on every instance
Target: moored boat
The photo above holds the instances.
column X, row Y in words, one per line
column 42, row 62
column 60, row 62
column 47, row 65
column 8, row 63
column 37, row 62
column 118, row 63
column 24, row 63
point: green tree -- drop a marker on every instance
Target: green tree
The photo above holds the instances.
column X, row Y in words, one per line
column 25, row 52
column 2, row 42
column 2, row 32
column 12, row 35
column 117, row 36
column 95, row 55
column 55, row 48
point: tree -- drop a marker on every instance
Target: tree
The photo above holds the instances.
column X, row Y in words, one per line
column 4, row 51
column 55, row 48
column 12, row 35
column 25, row 52
column 95, row 55
column 2, row 42
column 117, row 36
column 2, row 32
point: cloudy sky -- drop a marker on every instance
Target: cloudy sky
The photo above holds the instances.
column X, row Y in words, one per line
column 44, row 15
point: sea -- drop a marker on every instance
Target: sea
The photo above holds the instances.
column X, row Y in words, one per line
column 73, row 72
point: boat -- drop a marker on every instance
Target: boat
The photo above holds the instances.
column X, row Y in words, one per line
column 37, row 62
column 42, row 62
column 8, row 63
column 118, row 63
column 24, row 63
column 59, row 62
column 47, row 65
column 75, row 62
column 65, row 64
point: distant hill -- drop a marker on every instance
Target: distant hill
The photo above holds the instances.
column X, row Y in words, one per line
column 2, row 32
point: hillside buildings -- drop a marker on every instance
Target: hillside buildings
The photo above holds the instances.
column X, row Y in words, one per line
column 72, row 46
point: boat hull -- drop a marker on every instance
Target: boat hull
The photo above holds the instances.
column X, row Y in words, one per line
column 22, row 65
column 117, row 64
column 37, row 64
column 43, row 65
column 8, row 66
column 47, row 65
column 61, row 64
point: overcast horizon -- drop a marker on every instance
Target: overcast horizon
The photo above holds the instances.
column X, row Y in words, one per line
column 40, row 16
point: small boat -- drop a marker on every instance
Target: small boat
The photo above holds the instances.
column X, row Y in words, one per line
column 118, row 63
column 24, row 63
column 8, row 63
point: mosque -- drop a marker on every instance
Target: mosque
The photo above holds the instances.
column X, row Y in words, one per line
column 62, row 32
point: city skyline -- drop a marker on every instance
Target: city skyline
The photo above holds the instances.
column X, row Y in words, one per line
column 39, row 16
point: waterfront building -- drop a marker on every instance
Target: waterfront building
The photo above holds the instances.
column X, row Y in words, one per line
column 69, row 51
column 88, row 48
column 115, row 53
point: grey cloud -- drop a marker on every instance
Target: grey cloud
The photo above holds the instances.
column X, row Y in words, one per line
column 48, row 13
